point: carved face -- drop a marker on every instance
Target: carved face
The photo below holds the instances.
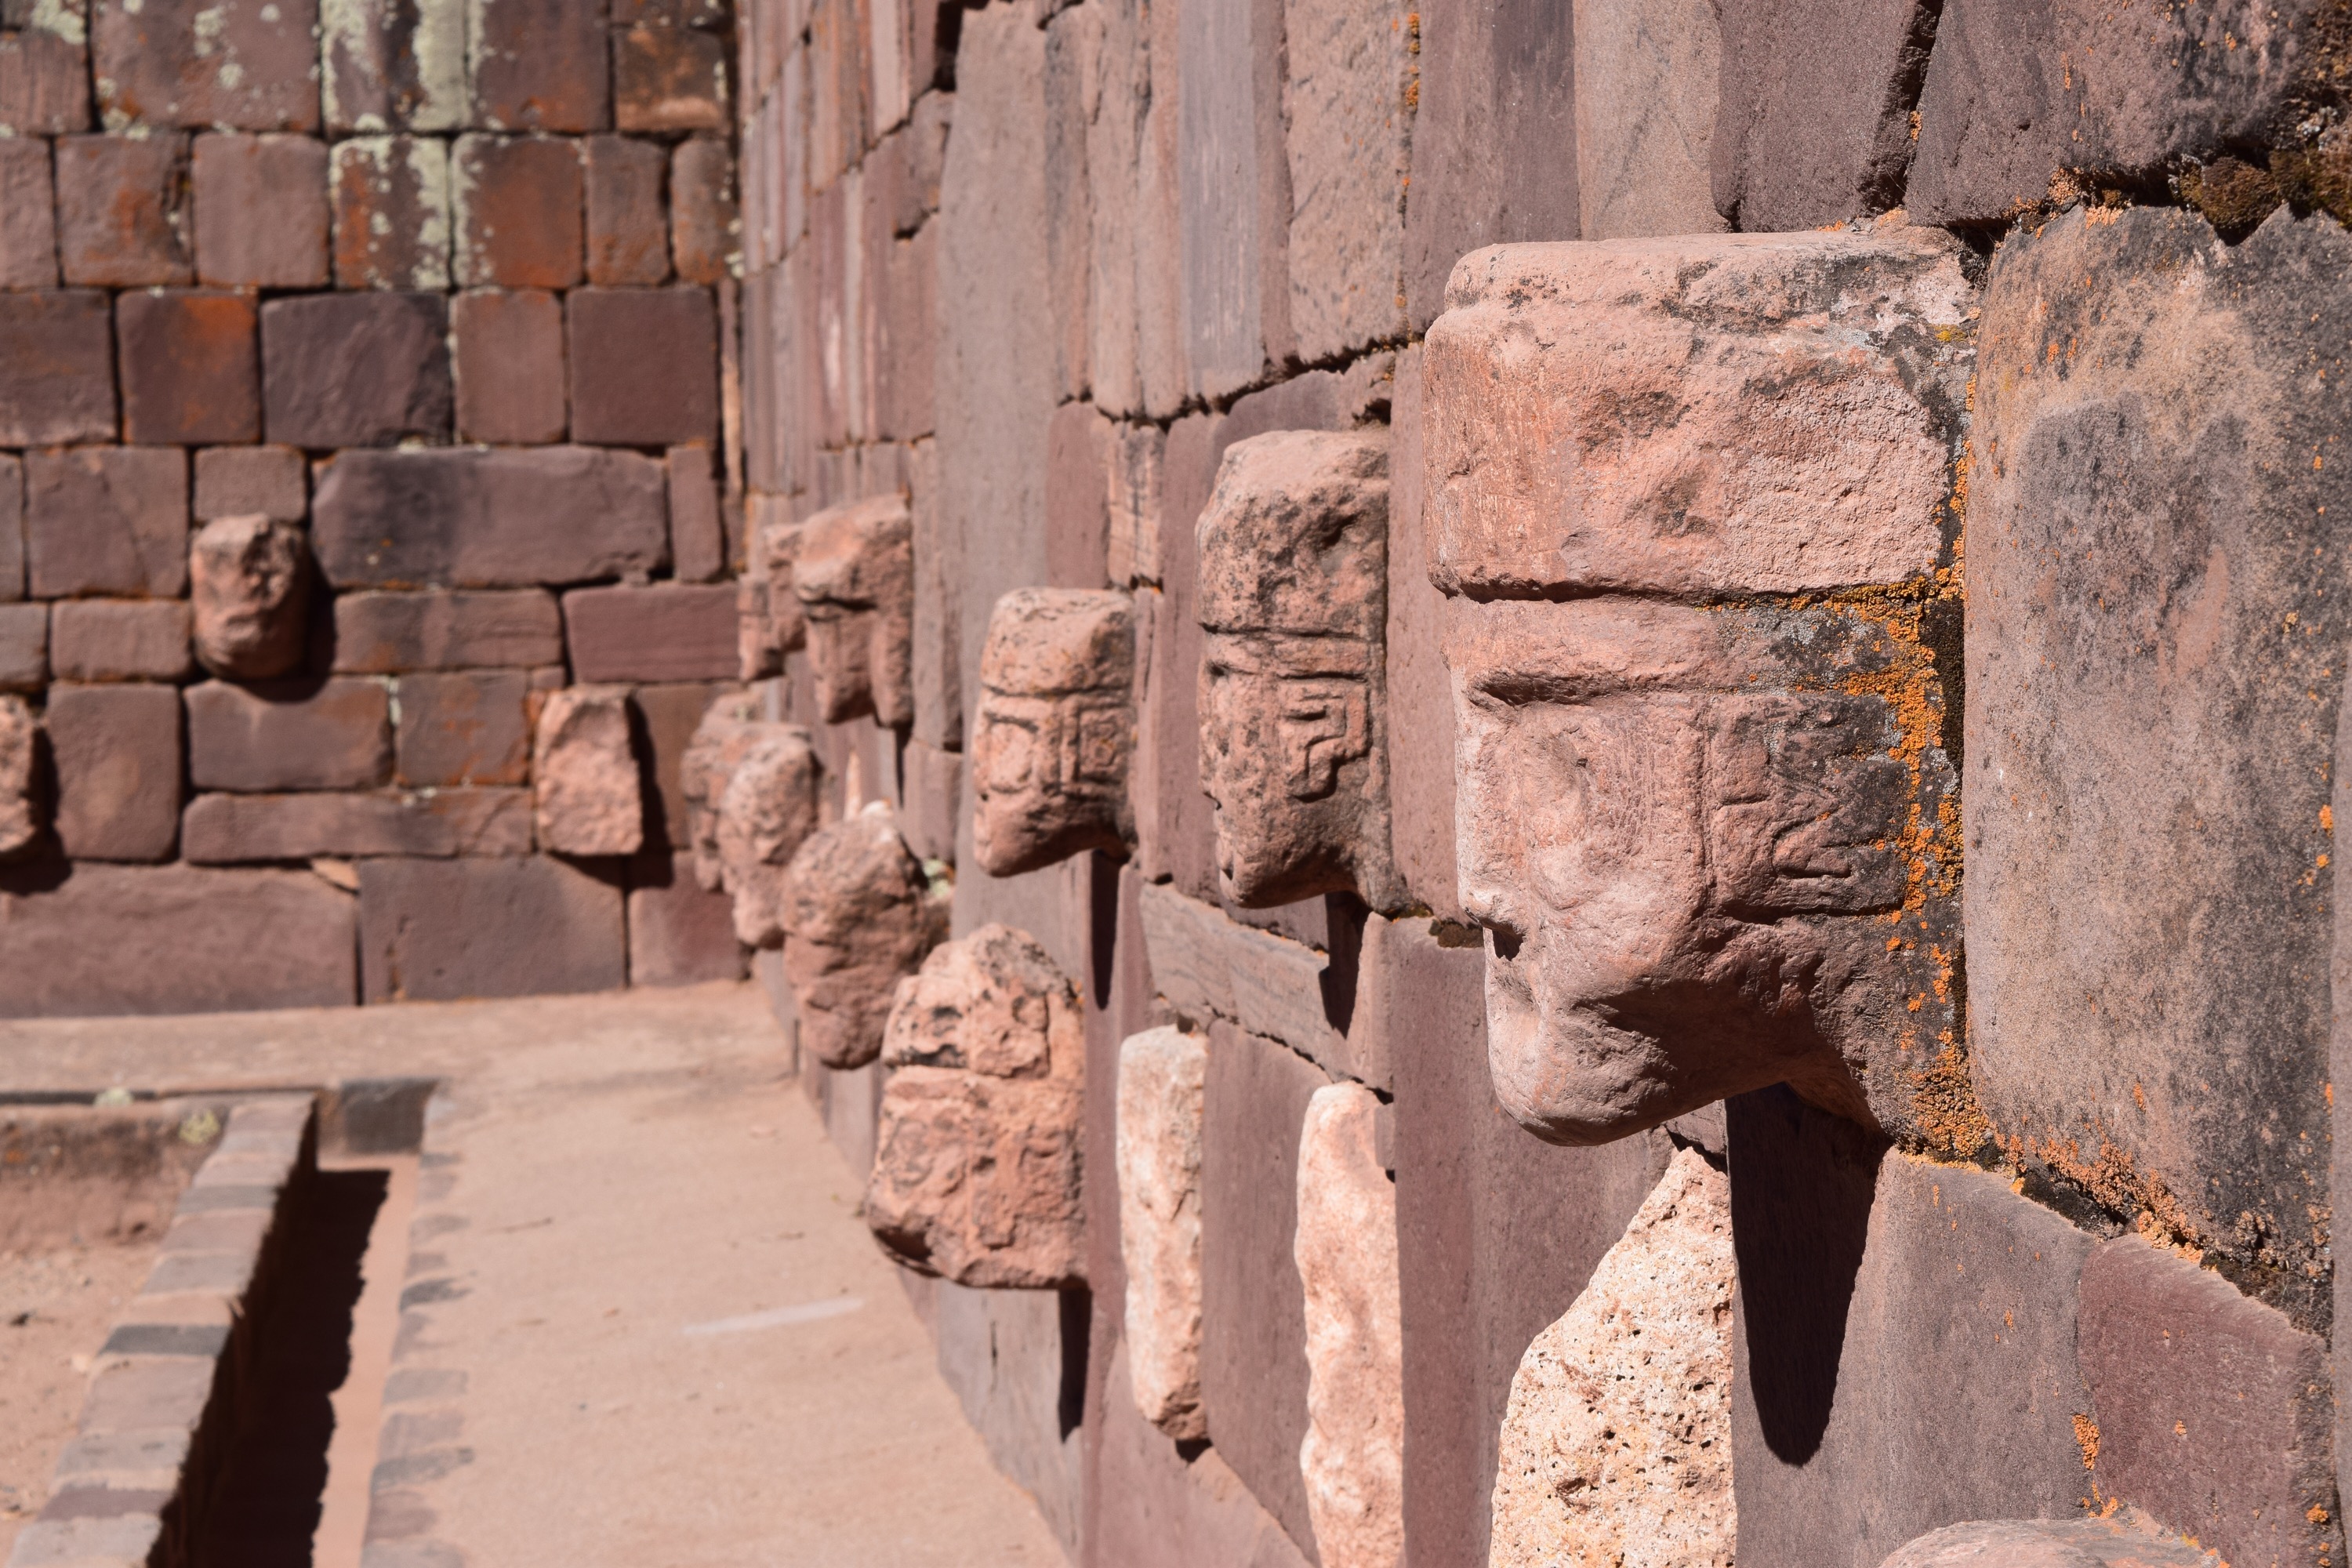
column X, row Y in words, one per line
column 247, row 579
column 1286, row 735
column 1055, row 729
column 853, row 572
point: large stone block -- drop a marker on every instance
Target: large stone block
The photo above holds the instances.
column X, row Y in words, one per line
column 585, row 773
column 858, row 912
column 2144, row 577
column 56, row 368
column 23, row 813
column 23, row 646
column 1077, row 498
column 240, row 481
column 226, row 830
column 207, row 941
column 391, row 217
column 1233, row 205
column 355, row 370
column 516, row 210
column 239, row 65
column 2116, row 1543
column 678, row 934
column 29, row 248
column 627, row 229
column 667, row 631
column 1419, row 687
column 706, row 230
column 117, row 753
column 538, row 65
column 853, row 570
column 518, row 926
column 1171, row 1512
column 107, row 520
column 45, row 74
column 261, row 211
column 1648, row 78
column 645, row 365
column 1055, row 729
column 119, row 640
column 509, row 364
column 699, row 521
column 387, row 67
column 1162, row 1079
column 331, row 734
column 763, row 784
column 488, row 518
column 190, row 369
column 1345, row 111
column 385, row 634
column 121, row 212
column 668, row 77
column 464, row 727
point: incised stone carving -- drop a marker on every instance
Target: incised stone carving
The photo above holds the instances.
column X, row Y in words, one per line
column 853, row 570
column 1055, row 729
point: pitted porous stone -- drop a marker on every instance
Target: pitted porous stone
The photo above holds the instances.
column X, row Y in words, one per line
column 584, row 775
column 767, row 808
column 859, row 913
column 1294, row 599
column 1353, row 1454
column 854, row 574
column 721, row 739
column 1616, row 1445
column 1056, row 729
column 249, row 580
column 1733, row 414
column 2051, row 1543
column 20, row 807
column 977, row 1175
column 1162, row 1085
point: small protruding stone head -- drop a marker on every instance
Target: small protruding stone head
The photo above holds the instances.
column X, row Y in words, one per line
column 853, row 572
column 20, row 806
column 1055, row 729
column 768, row 809
column 248, row 584
column 768, row 623
column 858, row 913
column 585, row 773
column 721, row 739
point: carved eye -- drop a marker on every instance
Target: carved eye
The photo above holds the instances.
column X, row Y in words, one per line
column 1008, row 761
column 1102, row 737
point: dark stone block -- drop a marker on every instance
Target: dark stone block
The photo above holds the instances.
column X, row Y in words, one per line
column 665, row 716
column 510, row 366
column 230, row 64
column 391, row 206
column 678, row 934
column 28, row 243
column 280, row 735
column 663, row 632
column 669, row 79
column 439, row 929
column 465, row 727
column 227, row 829
column 107, row 520
column 628, row 229
column 119, row 640
column 117, row 752
column 261, row 211
column 355, row 370
column 238, row 482
column 190, row 370
column 121, row 211
column 490, row 518
column 517, row 219
column 44, row 83
column 540, row 65
column 56, row 368
column 645, row 365
column 385, row 634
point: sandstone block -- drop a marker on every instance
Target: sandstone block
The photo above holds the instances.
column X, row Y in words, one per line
column 385, row 634
column 250, row 582
column 516, row 210
column 723, row 736
column 234, row 481
column 2051, row 1543
column 107, row 520
column 481, row 518
column 1133, row 555
column 394, row 67
column 227, row 829
column 1229, row 170
column 355, row 370
column 860, row 913
column 245, row 65
column 515, row 926
column 667, row 631
column 466, row 727
column 119, row 640
column 1344, row 113
column 28, row 249
column 1618, row 1437
column 1293, row 601
column 1648, row 79
column 628, row 229
column 706, row 230
column 116, row 752
column 669, row 79
column 761, row 782
column 1055, row 729
column 1162, row 1077
column 509, row 364
column 12, row 528
column 538, row 65
column 585, row 773
column 23, row 646
column 853, row 572
column 189, row 367
column 698, row 523
column 976, row 1172
column 45, row 76
column 678, row 934
column 261, row 211
column 1838, row 474
column 22, row 810
column 331, row 734
column 120, row 219
column 209, row 940
column 56, row 368
column 392, row 212
column 645, row 365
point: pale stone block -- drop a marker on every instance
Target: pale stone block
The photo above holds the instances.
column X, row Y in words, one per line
column 767, row 809
column 1162, row 1081
column 1648, row 74
column 20, row 807
column 1344, row 119
column 584, row 787
column 248, row 581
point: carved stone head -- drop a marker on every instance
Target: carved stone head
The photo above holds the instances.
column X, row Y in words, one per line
column 1294, row 601
column 977, row 1173
column 853, row 570
column 768, row 623
column 248, row 584
column 724, row 733
column 858, row 913
column 766, row 812
column 1056, row 729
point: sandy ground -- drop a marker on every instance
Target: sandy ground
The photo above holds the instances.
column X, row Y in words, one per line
column 56, row 1311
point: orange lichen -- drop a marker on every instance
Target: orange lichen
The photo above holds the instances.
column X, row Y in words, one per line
column 2087, row 1438
column 1943, row 1105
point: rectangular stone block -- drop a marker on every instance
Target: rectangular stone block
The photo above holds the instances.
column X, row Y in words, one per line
column 56, row 368
column 260, row 211
column 706, row 230
column 227, row 829
column 1208, row 966
column 1173, row 818
column 119, row 640
column 906, row 336
column 934, row 804
column 470, row 726
column 1648, row 76
column 45, row 76
column 12, row 528
column 233, row 65
column 517, row 211
column 117, row 750
column 355, row 370
column 1233, row 229
column 190, row 367
column 667, row 631
column 698, row 532
column 538, row 65
column 107, row 520
column 668, row 77
column 208, row 942
column 644, row 366
column 28, row 245
column 290, row 735
column 387, row 633
column 385, row 66
column 628, row 228
column 678, row 934
column 1344, row 114
column 510, row 362
column 1420, row 689
column 23, row 646
column 528, row 925
column 488, row 518
column 121, row 219
column 1077, row 498
column 238, row 482
column 391, row 213
column 663, row 718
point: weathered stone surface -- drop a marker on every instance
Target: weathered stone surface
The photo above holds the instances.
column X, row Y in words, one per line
column 859, row 913
column 584, row 775
column 107, row 520
column 853, row 572
column 487, row 519
column 385, row 634
column 56, row 368
column 667, row 631
column 391, row 202
column 1647, row 82
column 464, row 727
column 289, row 735
column 538, row 65
column 977, row 1162
column 2143, row 581
column 23, row 646
column 679, row 933
column 45, row 74
column 512, row 926
column 1353, row 1454
column 671, row 78
column 1162, row 1081
column 1419, row 687
column 117, row 752
column 2051, row 1544
column 1174, row 1512
column 1617, row 1442
column 700, row 546
column 1077, row 500
column 1344, row 114
column 22, row 813
column 766, row 803
column 385, row 68
column 1133, row 555
column 12, row 528
column 224, row 829
column 722, row 737
column 645, row 365
column 1293, row 601
column 28, row 247
column 509, row 365
column 119, row 640
column 516, row 211
column 243, row 64
column 261, row 211
column 1055, row 734
column 628, row 231
column 1799, row 393
column 705, row 231
column 249, row 581
column 188, row 365
column 355, row 370
column 769, row 622
column 209, row 942
column 232, row 481
column 121, row 217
